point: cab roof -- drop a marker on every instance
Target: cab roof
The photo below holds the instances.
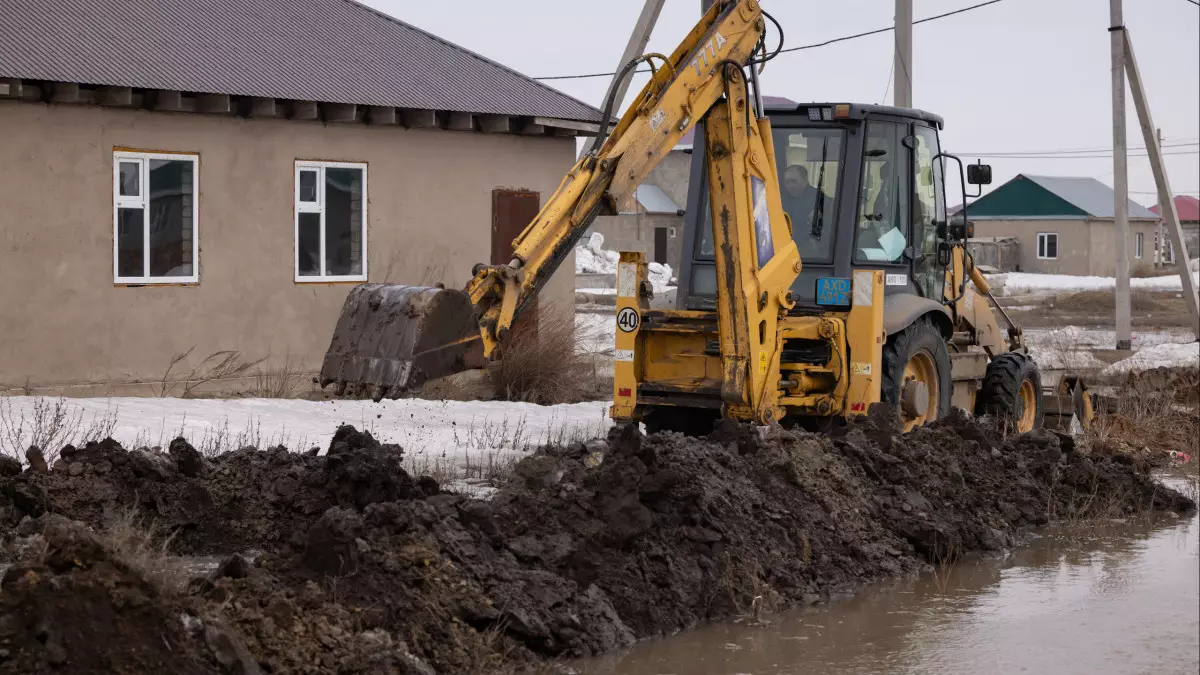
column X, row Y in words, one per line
column 858, row 111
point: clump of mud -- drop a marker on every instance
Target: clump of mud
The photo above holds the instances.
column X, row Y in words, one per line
column 353, row 566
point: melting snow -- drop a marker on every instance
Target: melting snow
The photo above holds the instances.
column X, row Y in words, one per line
column 1020, row 283
column 1167, row 355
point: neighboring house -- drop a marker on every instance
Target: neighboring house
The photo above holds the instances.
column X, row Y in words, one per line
column 656, row 226
column 650, row 223
column 1188, row 209
column 216, row 175
column 1064, row 225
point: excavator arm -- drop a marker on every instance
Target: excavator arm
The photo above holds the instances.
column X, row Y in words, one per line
column 390, row 338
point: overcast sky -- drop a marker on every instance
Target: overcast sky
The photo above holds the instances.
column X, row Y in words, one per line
column 1016, row 76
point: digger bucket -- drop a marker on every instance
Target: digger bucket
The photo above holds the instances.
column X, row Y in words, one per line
column 1068, row 405
column 391, row 338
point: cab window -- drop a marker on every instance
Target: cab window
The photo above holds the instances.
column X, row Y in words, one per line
column 883, row 226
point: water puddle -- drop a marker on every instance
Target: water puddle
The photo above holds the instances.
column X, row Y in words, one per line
column 1120, row 597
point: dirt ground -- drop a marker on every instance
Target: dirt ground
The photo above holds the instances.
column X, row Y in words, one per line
column 343, row 563
column 1150, row 309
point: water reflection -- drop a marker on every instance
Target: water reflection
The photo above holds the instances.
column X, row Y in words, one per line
column 1123, row 597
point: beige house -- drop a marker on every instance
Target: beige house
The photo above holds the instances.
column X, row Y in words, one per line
column 1064, row 225
column 222, row 190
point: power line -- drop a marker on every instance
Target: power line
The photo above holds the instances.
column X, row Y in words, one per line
column 803, row 47
column 1108, row 156
column 1088, row 151
column 1194, row 2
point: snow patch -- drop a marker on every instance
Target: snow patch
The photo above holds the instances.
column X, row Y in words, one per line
column 434, row 434
column 1168, row 355
column 593, row 258
column 1023, row 283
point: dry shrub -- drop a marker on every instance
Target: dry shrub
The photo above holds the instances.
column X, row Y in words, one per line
column 1152, row 414
column 220, row 365
column 1144, row 268
column 546, row 366
column 50, row 424
column 278, row 380
column 144, row 551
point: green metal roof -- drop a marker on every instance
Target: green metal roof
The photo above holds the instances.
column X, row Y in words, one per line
column 1052, row 197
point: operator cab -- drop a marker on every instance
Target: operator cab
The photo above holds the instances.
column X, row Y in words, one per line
column 863, row 186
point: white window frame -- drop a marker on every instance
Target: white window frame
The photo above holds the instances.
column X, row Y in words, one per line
column 319, row 207
column 1043, row 241
column 142, row 201
column 1139, row 245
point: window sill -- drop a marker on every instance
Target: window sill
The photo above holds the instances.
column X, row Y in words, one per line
column 137, row 283
column 331, row 280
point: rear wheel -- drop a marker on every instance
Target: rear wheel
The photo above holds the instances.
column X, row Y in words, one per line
column 1012, row 391
column 916, row 374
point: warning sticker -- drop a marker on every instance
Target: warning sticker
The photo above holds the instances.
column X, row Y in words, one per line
column 627, row 280
column 860, row 368
column 623, row 355
column 762, row 363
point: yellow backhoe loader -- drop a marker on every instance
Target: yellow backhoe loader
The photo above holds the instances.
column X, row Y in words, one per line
column 807, row 303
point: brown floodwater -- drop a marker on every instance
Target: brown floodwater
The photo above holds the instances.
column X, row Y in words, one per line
column 1117, row 597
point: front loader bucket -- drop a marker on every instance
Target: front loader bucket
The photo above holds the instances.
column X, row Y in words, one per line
column 1068, row 406
column 391, row 338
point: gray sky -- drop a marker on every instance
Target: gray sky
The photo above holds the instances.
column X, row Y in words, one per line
column 1017, row 76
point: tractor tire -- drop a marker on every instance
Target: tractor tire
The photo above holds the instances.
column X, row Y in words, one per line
column 1011, row 384
column 914, row 361
column 687, row 421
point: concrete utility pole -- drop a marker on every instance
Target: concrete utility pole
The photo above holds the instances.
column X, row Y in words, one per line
column 902, row 56
column 1166, row 200
column 635, row 48
column 1120, row 176
column 1162, row 241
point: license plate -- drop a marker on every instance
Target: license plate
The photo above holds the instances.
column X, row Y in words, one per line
column 833, row 291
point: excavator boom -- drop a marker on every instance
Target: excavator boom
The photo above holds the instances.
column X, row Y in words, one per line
column 391, row 338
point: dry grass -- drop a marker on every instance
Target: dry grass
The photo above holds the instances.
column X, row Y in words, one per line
column 278, row 380
column 143, row 550
column 220, row 365
column 547, row 366
column 50, row 425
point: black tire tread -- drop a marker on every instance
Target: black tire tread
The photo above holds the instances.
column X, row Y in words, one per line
column 897, row 352
column 1000, row 393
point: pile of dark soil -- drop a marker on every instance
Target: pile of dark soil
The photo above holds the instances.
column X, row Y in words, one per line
column 356, row 567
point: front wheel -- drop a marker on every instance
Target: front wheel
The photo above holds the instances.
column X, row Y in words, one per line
column 916, row 374
column 1012, row 391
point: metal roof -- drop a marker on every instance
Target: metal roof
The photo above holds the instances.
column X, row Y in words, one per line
column 654, row 200
column 1089, row 195
column 1186, row 206
column 332, row 51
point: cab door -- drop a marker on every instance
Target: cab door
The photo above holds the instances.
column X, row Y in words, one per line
column 929, row 209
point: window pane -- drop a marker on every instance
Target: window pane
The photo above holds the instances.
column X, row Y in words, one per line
column 1052, row 246
column 308, row 247
column 343, row 221
column 883, row 212
column 130, row 243
column 171, row 227
column 808, row 163
column 929, row 208
column 308, row 186
column 128, row 177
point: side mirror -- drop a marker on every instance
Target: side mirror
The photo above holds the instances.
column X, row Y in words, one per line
column 979, row 174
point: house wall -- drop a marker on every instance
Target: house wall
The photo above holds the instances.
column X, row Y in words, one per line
column 1085, row 246
column 672, row 175
column 66, row 323
column 631, row 232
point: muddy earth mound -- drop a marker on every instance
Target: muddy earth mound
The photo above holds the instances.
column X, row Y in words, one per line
column 350, row 565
